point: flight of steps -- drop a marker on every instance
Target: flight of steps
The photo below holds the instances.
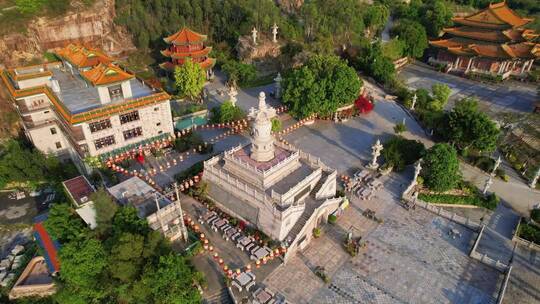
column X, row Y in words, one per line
column 221, row 297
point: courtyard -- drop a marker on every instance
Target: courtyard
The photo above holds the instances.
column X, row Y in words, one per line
column 509, row 96
column 409, row 258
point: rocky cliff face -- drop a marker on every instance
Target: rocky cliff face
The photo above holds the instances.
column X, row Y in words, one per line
column 290, row 5
column 93, row 25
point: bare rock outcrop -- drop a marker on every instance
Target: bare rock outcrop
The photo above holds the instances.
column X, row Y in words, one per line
column 290, row 6
column 91, row 25
column 264, row 49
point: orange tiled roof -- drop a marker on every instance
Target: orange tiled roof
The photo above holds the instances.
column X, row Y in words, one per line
column 497, row 15
column 83, row 57
column 184, row 37
column 465, row 47
column 194, row 54
column 477, row 33
column 208, row 63
column 106, row 74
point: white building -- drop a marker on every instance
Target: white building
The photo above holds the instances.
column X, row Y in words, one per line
column 281, row 190
column 86, row 106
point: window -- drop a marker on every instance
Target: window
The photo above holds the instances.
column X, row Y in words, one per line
column 156, row 109
column 46, row 112
column 115, row 92
column 128, row 117
column 100, row 125
column 159, row 132
column 104, row 142
column 129, row 134
column 158, row 124
column 53, row 131
column 58, row 145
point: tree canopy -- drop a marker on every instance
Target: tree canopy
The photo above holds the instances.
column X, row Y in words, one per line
column 468, row 127
column 189, row 79
column 63, row 223
column 227, row 112
column 440, row 168
column 321, row 85
column 105, row 209
column 400, row 152
column 413, row 34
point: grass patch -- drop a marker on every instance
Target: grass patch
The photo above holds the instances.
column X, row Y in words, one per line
column 490, row 202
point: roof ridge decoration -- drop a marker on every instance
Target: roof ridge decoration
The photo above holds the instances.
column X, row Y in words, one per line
column 185, row 36
column 105, row 74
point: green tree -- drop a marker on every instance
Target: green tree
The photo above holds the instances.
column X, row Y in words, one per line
column 320, row 86
column 189, row 79
column 399, row 152
column 276, row 124
column 105, row 209
column 470, row 128
column 441, row 93
column 83, row 262
column 238, row 72
column 440, row 168
column 376, row 16
column 127, row 257
column 127, row 220
column 227, row 112
column 170, row 282
column 437, row 14
column 63, row 223
column 414, row 36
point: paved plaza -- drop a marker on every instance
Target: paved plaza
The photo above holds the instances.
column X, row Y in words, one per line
column 497, row 97
column 409, row 258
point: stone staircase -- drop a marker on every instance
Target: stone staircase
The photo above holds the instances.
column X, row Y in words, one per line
column 221, row 297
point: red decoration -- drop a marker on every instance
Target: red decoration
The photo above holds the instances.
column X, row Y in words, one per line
column 363, row 104
column 140, row 158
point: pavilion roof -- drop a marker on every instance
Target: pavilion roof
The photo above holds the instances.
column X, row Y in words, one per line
column 464, row 47
column 106, row 74
column 185, row 37
column 83, row 57
column 208, row 63
column 193, row 54
column 497, row 15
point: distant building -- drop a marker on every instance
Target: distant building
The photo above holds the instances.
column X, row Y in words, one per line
column 79, row 190
column 187, row 44
column 86, row 106
column 161, row 213
column 281, row 190
column 492, row 41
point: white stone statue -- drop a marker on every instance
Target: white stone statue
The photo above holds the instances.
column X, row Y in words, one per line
column 414, row 98
column 262, row 143
column 278, row 80
column 232, row 95
column 254, row 35
column 376, row 152
column 535, row 179
column 488, row 183
column 274, row 33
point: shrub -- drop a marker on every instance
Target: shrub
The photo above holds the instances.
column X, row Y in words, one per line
column 276, row 124
column 400, row 152
column 441, row 168
column 400, row 128
column 189, row 141
column 535, row 215
column 332, row 219
column 316, row 232
column 529, row 232
column 226, row 113
column 476, row 199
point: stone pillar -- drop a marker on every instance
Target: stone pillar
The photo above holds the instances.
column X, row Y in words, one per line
column 523, row 67
column 414, row 101
column 417, row 169
column 496, row 166
column 531, row 62
column 488, row 183
column 469, row 65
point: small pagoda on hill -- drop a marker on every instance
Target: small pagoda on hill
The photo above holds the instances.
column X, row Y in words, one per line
column 186, row 44
column 491, row 41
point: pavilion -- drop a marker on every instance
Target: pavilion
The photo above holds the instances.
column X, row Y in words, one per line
column 187, row 44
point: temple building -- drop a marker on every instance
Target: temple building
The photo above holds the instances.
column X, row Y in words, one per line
column 275, row 187
column 86, row 106
column 492, row 41
column 187, row 44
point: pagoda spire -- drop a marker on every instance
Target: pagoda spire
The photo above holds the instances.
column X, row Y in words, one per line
column 262, row 143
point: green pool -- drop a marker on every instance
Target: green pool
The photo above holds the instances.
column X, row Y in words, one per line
column 189, row 122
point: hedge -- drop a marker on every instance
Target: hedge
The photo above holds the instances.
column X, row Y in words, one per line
column 476, row 200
